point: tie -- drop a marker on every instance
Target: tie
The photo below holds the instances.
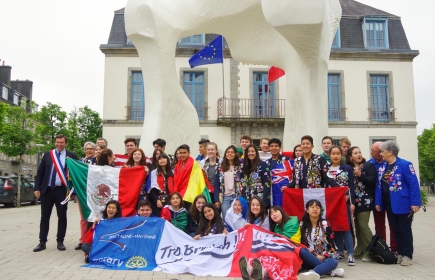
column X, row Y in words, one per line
column 53, row 179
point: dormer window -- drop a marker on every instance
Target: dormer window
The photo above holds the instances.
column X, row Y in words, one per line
column 198, row 39
column 375, row 33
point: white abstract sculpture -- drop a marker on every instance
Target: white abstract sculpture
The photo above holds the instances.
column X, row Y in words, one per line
column 295, row 35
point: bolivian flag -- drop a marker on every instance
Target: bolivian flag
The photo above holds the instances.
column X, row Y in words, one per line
column 96, row 185
column 189, row 180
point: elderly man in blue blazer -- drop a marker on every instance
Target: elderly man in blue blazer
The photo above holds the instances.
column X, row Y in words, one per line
column 50, row 187
column 398, row 192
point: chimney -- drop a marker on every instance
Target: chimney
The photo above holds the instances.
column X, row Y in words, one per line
column 5, row 74
column 23, row 87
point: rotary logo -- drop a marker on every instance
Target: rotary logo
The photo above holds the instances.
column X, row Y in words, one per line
column 102, row 194
column 136, row 262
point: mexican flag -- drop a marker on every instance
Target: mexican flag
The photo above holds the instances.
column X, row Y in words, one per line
column 333, row 201
column 96, row 185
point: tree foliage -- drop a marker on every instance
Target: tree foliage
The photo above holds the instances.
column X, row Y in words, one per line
column 426, row 154
column 52, row 121
column 18, row 133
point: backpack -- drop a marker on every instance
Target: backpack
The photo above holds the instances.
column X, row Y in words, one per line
column 380, row 252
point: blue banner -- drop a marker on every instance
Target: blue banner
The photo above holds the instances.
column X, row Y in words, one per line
column 126, row 243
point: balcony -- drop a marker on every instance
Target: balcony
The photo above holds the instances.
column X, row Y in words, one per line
column 251, row 110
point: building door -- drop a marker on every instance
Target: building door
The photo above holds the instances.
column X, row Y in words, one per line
column 263, row 99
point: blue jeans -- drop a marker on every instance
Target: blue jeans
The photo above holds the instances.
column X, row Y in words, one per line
column 319, row 267
column 226, row 204
column 339, row 236
column 401, row 225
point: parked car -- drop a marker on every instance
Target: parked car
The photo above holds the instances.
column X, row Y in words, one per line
column 9, row 190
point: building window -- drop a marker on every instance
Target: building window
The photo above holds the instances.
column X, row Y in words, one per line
column 5, row 93
column 336, row 43
column 16, row 99
column 334, row 98
column 193, row 85
column 198, row 39
column 376, row 33
column 263, row 96
column 379, row 98
column 137, row 107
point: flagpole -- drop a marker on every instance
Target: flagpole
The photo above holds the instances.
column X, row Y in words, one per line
column 223, row 72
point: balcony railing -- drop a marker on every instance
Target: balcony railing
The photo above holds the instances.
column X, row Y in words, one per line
column 251, row 108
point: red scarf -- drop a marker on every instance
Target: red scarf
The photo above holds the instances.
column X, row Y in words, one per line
column 182, row 175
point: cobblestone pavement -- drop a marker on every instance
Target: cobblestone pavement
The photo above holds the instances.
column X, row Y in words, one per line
column 19, row 230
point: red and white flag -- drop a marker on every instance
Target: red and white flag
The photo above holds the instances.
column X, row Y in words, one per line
column 274, row 74
column 121, row 160
column 333, row 201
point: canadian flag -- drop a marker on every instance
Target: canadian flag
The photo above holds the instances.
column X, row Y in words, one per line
column 333, row 202
column 275, row 73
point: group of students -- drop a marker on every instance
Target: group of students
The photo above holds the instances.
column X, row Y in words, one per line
column 240, row 188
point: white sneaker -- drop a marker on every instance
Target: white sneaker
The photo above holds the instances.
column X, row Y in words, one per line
column 406, row 261
column 338, row 272
column 310, row 275
column 399, row 259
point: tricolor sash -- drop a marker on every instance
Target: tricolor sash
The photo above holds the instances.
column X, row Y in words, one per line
column 57, row 164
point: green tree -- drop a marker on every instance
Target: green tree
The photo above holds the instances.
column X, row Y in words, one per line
column 74, row 141
column 426, row 154
column 52, row 121
column 84, row 125
column 3, row 110
column 89, row 124
column 17, row 135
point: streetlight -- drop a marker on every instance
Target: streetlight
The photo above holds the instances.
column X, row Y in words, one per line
column 38, row 160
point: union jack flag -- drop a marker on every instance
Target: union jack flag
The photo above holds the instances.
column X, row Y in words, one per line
column 281, row 176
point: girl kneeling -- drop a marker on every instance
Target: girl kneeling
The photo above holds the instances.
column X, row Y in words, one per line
column 210, row 222
column 175, row 213
column 237, row 214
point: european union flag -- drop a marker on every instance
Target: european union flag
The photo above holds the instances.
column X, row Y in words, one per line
column 210, row 54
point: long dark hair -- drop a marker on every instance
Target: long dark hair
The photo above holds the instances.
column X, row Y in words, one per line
column 248, row 166
column 155, row 161
column 103, row 157
column 225, row 165
column 194, row 213
column 168, row 165
column 285, row 218
column 175, row 160
column 307, row 226
column 118, row 209
column 143, row 160
column 294, row 150
column 348, row 156
column 203, row 226
column 262, row 214
column 179, row 195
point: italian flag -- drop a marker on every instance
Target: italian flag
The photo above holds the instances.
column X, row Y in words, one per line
column 96, row 185
column 333, row 201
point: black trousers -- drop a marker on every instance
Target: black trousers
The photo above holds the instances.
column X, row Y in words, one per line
column 48, row 199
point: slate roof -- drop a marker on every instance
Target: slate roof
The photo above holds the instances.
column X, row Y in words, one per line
column 351, row 8
column 351, row 33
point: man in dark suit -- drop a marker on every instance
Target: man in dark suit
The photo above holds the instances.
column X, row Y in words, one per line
column 50, row 187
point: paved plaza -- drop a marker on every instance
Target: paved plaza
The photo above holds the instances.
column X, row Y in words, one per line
column 20, row 228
